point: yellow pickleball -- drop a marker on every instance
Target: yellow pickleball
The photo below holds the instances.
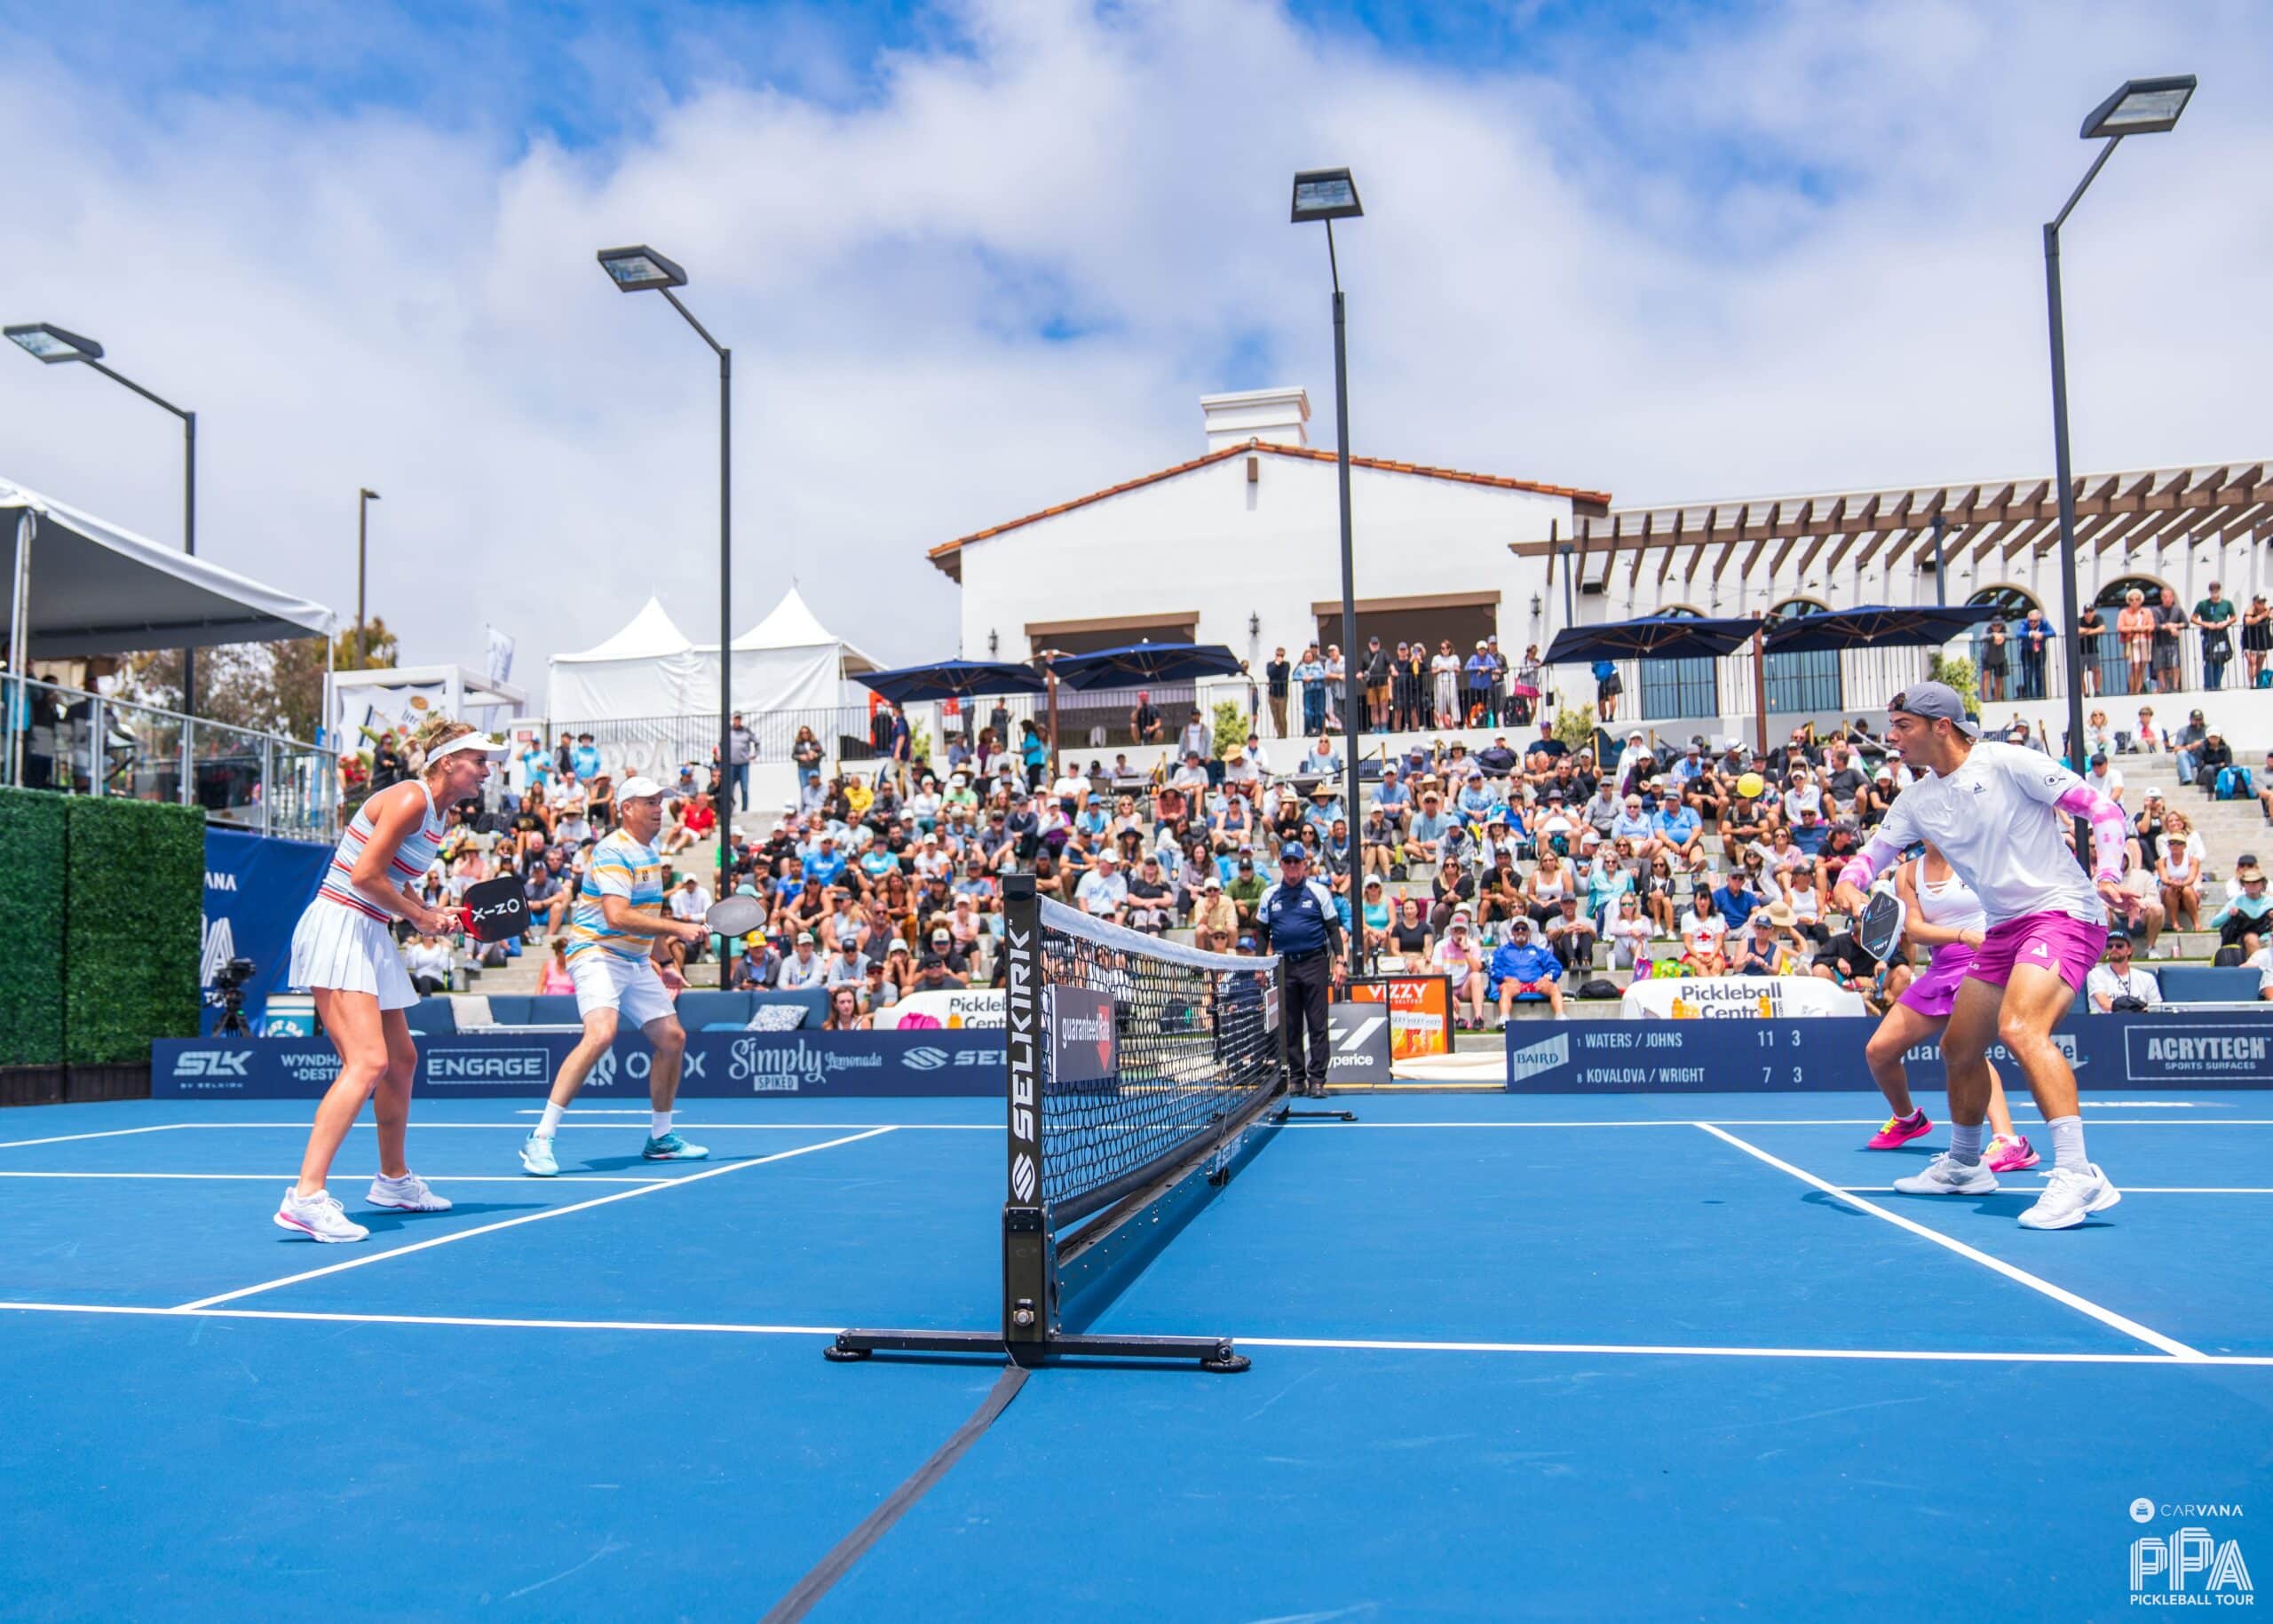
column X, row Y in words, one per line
column 1751, row 786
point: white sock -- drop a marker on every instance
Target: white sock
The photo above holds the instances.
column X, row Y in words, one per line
column 659, row 1123
column 2068, row 1142
column 1965, row 1143
column 551, row 1120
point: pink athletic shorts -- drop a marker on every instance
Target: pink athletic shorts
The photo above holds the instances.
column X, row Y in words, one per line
column 2060, row 943
column 1934, row 993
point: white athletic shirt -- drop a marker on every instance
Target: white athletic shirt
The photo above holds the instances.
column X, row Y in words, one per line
column 1995, row 823
column 1951, row 903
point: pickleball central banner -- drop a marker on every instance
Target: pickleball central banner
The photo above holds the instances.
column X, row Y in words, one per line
column 2203, row 1050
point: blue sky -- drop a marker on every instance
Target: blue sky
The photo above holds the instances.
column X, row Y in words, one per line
column 977, row 258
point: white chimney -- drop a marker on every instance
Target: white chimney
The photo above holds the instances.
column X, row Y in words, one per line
column 1280, row 415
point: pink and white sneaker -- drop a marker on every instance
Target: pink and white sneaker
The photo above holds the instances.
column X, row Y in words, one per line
column 2013, row 1155
column 1901, row 1130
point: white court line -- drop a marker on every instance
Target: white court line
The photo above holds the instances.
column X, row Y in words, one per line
column 2084, row 1305
column 530, row 1217
column 522, row 1128
column 107, row 1133
column 2034, row 1190
column 431, row 1178
column 1330, row 1343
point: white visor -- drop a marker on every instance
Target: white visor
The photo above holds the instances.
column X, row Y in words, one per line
column 482, row 743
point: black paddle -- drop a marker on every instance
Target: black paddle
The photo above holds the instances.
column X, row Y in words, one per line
column 1880, row 927
column 496, row 910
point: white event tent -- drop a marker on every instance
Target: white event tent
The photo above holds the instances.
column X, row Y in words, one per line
column 788, row 661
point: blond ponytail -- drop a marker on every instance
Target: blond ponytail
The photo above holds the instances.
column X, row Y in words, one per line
column 434, row 731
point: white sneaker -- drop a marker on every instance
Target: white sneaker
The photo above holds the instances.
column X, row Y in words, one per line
column 2069, row 1197
column 317, row 1216
column 1946, row 1175
column 408, row 1193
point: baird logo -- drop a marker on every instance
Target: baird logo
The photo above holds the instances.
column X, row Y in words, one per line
column 1534, row 1059
column 926, row 1059
column 211, row 1064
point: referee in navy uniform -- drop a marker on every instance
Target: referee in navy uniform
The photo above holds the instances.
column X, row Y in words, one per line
column 1297, row 920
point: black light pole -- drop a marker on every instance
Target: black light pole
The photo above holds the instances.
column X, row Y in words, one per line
column 1331, row 196
column 45, row 341
column 363, row 500
column 639, row 269
column 2140, row 107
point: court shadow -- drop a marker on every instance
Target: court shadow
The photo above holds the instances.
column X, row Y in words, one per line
column 379, row 1220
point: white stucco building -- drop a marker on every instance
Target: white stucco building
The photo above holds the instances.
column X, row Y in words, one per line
column 1240, row 546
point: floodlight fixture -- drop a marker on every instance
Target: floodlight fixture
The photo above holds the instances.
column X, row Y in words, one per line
column 1324, row 195
column 46, row 341
column 2141, row 107
column 639, row 269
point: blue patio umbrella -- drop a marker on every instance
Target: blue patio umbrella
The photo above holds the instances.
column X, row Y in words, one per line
column 955, row 680
column 1877, row 626
column 1653, row 637
column 1143, row 662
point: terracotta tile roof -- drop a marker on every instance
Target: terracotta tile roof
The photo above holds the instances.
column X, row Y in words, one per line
column 945, row 555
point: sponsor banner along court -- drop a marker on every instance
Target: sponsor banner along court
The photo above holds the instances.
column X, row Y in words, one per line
column 2200, row 1050
column 718, row 1065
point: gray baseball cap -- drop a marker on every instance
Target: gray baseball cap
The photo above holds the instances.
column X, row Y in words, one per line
column 1931, row 699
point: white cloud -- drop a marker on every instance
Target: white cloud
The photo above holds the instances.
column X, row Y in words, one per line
column 1800, row 252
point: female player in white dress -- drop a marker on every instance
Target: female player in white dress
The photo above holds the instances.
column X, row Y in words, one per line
column 1945, row 918
column 344, row 952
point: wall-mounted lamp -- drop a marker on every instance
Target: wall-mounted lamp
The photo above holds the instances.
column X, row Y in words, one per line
column 1536, row 605
column 1254, row 625
column 993, row 644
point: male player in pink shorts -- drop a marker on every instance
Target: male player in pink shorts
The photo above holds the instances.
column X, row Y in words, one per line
column 1993, row 811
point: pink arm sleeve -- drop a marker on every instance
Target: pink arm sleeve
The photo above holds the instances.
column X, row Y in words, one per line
column 2108, row 828
column 1867, row 864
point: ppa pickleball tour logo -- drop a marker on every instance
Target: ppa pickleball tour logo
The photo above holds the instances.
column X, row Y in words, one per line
column 2189, row 1567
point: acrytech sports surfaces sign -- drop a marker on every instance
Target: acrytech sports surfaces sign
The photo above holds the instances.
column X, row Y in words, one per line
column 2164, row 1051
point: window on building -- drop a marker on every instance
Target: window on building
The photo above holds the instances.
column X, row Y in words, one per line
column 1395, row 622
column 1674, row 689
column 1798, row 684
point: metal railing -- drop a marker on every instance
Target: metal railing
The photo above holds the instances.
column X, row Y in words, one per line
column 75, row 742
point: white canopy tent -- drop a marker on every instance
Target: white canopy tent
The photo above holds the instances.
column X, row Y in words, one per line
column 79, row 585
column 788, row 661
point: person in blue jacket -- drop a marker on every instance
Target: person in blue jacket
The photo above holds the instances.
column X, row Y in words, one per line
column 1519, row 965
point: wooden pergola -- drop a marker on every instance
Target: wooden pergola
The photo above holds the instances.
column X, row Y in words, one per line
column 2147, row 507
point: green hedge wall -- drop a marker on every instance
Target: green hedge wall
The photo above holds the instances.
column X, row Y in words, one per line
column 32, row 872
column 137, row 889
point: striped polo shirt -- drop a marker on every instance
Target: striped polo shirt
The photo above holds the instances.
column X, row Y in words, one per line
column 619, row 867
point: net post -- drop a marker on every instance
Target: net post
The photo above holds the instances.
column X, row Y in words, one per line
column 1029, row 1314
column 1286, row 1054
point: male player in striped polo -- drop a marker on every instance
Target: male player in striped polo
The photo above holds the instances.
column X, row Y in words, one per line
column 615, row 930
column 1995, row 812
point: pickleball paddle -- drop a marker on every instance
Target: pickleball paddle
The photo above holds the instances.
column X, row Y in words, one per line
column 1880, row 926
column 496, row 910
column 735, row 916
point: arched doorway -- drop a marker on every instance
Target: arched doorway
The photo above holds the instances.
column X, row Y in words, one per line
column 1674, row 689
column 2114, row 670
column 1800, row 683
column 2013, row 681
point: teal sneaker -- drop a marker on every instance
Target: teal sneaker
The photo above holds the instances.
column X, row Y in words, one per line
column 537, row 1158
column 670, row 1147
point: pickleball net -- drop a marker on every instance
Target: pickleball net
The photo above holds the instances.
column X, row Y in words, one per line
column 1139, row 1075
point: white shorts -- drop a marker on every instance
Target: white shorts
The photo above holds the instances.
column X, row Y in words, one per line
column 630, row 986
column 349, row 952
